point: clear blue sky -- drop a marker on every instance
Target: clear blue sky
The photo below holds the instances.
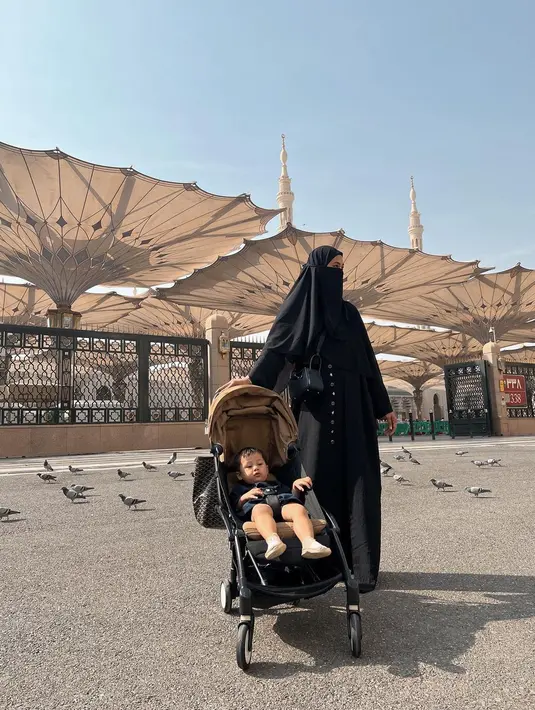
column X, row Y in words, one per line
column 367, row 92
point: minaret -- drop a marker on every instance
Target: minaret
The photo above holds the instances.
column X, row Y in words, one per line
column 416, row 229
column 285, row 196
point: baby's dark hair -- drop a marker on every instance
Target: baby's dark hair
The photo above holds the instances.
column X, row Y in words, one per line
column 247, row 451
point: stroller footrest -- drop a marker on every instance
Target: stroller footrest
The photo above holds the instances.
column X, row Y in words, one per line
column 301, row 592
column 284, row 530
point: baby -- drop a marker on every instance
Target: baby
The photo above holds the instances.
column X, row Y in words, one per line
column 248, row 499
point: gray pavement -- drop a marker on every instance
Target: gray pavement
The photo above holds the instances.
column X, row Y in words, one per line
column 104, row 608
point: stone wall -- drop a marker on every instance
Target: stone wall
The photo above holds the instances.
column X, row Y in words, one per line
column 71, row 439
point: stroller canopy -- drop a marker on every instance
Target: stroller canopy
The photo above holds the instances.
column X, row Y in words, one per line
column 252, row 416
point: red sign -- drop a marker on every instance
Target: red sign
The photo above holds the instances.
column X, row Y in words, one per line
column 513, row 387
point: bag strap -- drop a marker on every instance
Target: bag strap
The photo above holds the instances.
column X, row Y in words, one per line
column 317, row 354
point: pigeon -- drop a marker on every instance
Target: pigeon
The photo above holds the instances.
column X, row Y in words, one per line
column 441, row 485
column 398, row 457
column 123, row 474
column 461, row 453
column 72, row 469
column 148, row 466
column 6, row 512
column 129, row 501
column 480, row 463
column 47, row 466
column 494, row 462
column 175, row 474
column 406, row 451
column 47, row 477
column 400, row 479
column 414, row 461
column 476, row 490
column 172, row 460
column 80, row 489
column 72, row 495
column 385, row 468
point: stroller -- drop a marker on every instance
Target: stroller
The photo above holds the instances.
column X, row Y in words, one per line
column 253, row 416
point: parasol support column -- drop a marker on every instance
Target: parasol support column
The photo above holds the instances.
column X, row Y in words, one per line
column 500, row 421
column 63, row 318
column 418, row 400
column 216, row 329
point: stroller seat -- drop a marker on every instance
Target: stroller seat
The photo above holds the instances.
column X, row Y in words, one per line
column 284, row 530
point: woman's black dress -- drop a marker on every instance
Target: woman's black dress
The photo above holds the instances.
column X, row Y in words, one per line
column 338, row 443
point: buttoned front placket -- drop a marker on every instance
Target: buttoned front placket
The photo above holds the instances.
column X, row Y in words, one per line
column 332, row 393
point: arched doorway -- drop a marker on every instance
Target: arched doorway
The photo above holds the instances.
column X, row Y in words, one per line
column 437, row 409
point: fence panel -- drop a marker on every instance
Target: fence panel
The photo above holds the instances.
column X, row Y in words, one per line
column 105, row 379
column 243, row 356
column 56, row 376
column 177, row 381
column 468, row 398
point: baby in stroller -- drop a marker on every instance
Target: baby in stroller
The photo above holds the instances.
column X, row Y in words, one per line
column 267, row 502
column 253, row 436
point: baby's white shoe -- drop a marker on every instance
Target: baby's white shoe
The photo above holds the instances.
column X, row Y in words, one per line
column 312, row 549
column 275, row 547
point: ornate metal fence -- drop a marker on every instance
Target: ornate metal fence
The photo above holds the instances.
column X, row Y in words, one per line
column 54, row 376
column 177, row 380
column 528, row 370
column 243, row 356
column 468, row 398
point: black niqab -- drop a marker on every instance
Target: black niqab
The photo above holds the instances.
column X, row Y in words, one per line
column 314, row 306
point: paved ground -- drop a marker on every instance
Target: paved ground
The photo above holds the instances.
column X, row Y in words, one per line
column 104, row 608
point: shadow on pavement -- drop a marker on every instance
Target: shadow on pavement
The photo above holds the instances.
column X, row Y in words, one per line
column 406, row 622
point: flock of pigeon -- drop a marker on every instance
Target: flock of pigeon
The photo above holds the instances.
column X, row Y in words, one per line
column 76, row 491
column 388, row 471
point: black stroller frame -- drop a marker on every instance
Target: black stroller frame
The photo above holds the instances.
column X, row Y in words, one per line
column 253, row 581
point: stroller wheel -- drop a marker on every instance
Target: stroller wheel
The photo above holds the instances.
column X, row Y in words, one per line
column 354, row 627
column 244, row 646
column 226, row 597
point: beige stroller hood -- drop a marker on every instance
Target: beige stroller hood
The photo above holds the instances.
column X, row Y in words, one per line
column 252, row 416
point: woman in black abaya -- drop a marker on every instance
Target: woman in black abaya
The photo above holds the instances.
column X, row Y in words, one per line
column 338, row 431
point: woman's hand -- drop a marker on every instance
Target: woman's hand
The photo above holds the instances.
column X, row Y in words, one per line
column 237, row 382
column 392, row 422
column 302, row 484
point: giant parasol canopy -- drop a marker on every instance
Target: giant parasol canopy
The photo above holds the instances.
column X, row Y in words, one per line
column 491, row 306
column 416, row 373
column 441, row 348
column 523, row 355
column 156, row 316
column 67, row 225
column 25, row 304
column 398, row 340
column 258, row 277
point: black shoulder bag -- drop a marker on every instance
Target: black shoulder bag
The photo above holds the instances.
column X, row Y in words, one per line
column 306, row 384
